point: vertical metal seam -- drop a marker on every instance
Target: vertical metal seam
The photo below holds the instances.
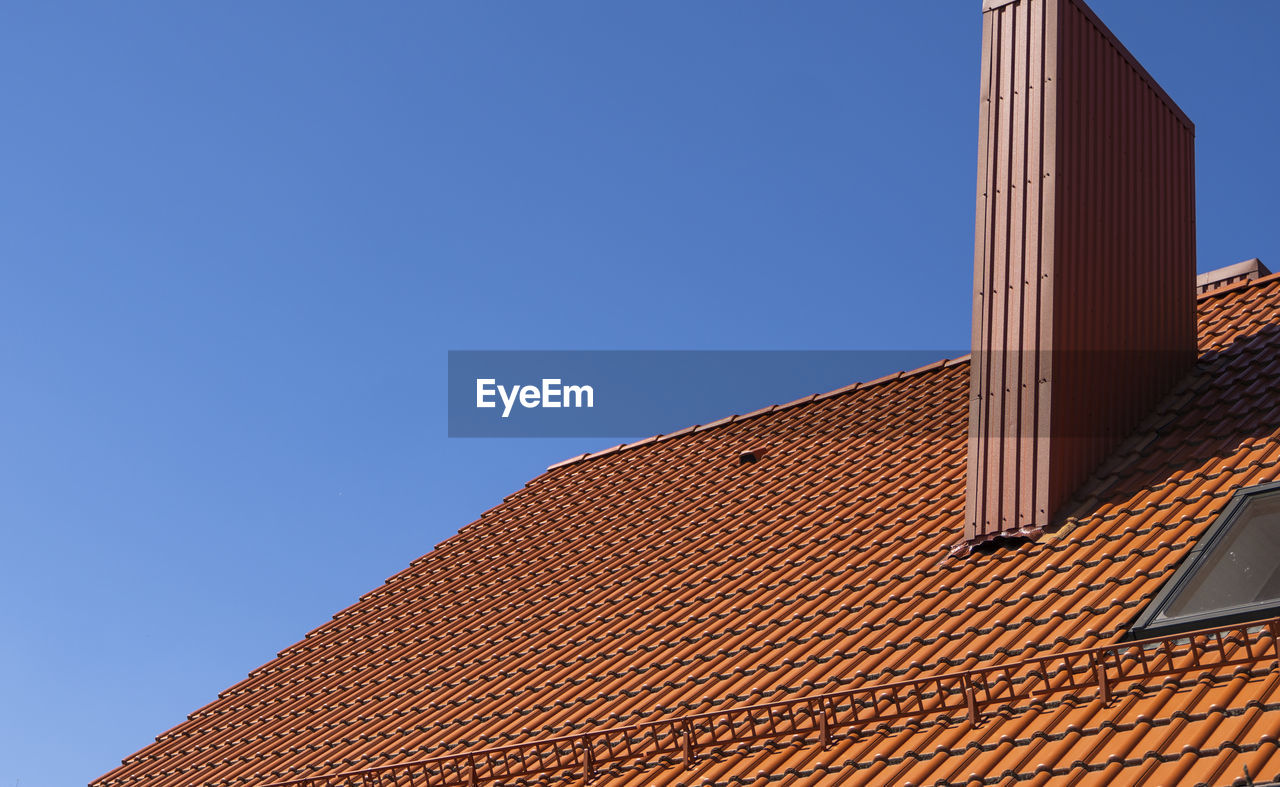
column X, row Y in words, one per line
column 1034, row 266
column 975, row 472
column 982, row 317
column 1048, row 313
column 1015, row 284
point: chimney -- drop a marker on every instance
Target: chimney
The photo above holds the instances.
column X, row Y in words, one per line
column 1084, row 259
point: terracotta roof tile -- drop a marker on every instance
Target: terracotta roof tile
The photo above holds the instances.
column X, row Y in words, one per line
column 660, row 579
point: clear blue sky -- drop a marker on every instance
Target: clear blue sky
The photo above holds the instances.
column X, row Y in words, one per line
column 239, row 238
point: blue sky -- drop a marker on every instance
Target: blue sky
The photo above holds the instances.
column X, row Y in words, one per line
column 238, row 240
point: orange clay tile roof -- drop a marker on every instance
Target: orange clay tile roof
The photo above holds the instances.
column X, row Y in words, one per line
column 662, row 580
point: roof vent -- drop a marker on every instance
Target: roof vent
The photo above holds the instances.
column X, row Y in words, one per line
column 1223, row 277
column 751, row 457
column 1084, row 258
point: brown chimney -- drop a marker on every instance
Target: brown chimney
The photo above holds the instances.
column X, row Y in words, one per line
column 1084, row 259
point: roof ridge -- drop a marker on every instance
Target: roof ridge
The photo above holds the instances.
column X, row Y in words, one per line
column 1239, row 285
column 946, row 362
column 731, row 419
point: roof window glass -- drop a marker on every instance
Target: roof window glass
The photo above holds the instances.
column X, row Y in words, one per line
column 1232, row 574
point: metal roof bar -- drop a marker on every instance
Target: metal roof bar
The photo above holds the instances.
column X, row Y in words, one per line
column 821, row 718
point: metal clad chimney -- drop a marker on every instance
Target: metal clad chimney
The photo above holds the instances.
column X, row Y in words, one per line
column 1084, row 258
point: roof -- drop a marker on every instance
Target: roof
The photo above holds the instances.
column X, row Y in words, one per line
column 655, row 582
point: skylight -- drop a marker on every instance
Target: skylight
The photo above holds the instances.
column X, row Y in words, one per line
column 1232, row 574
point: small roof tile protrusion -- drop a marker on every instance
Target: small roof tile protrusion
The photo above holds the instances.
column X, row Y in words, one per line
column 1216, row 279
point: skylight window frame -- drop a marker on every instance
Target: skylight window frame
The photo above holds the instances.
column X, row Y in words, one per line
column 1144, row 627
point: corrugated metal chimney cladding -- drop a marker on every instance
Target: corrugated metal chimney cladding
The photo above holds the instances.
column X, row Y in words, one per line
column 1084, row 260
